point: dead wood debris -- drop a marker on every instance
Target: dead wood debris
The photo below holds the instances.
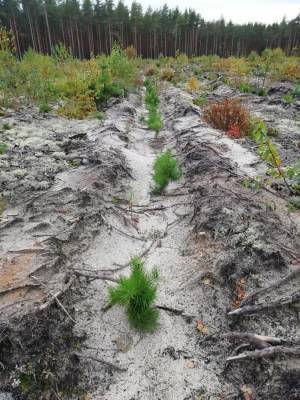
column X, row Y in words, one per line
column 266, row 353
column 253, row 296
column 104, row 362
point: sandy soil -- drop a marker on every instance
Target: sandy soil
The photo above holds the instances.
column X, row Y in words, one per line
column 210, row 238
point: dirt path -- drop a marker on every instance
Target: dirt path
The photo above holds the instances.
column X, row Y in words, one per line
column 165, row 364
column 169, row 363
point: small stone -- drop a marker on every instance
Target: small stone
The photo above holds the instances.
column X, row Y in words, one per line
column 124, row 343
column 58, row 155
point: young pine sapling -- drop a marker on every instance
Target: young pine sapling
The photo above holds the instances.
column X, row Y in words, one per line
column 137, row 294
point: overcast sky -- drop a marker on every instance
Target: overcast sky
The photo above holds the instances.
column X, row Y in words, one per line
column 237, row 11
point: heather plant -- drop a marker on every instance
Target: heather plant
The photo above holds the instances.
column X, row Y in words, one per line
column 228, row 114
column 166, row 169
column 137, row 293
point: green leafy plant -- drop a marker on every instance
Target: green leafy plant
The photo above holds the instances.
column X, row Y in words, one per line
column 99, row 115
column 268, row 152
column 166, row 169
column 6, row 126
column 293, row 172
column 3, row 148
column 288, row 98
column 253, row 183
column 245, row 87
column 137, row 294
column 296, row 91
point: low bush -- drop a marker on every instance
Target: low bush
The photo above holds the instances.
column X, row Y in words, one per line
column 167, row 74
column 288, row 98
column 226, row 115
column 192, row 84
column 44, row 107
column 166, row 169
column 201, row 100
column 6, row 126
column 150, row 70
column 296, row 91
column 3, row 148
column 137, row 294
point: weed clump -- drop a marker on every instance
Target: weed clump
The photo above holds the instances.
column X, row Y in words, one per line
column 166, row 169
column 44, row 107
column 201, row 100
column 228, row 115
column 192, row 84
column 6, row 126
column 136, row 294
column 167, row 74
column 150, row 70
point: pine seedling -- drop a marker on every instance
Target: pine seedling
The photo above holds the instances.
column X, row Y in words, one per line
column 136, row 294
column 166, row 169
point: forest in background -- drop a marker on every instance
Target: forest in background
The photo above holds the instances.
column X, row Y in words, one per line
column 93, row 27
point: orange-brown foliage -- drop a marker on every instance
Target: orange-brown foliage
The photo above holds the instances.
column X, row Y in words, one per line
column 229, row 116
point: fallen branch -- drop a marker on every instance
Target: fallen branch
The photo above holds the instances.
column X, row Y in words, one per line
column 259, row 341
column 253, row 296
column 24, row 286
column 142, row 255
column 55, row 297
column 260, row 307
column 100, row 360
column 265, row 353
column 175, row 311
column 123, row 232
column 94, row 276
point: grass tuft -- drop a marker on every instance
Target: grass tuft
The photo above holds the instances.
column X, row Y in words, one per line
column 166, row 169
column 137, row 294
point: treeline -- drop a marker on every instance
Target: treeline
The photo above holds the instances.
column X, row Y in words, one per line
column 87, row 27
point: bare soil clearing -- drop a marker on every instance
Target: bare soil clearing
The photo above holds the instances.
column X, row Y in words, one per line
column 212, row 240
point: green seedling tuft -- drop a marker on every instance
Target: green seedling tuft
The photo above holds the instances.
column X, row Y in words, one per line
column 6, row 126
column 166, row 169
column 137, row 294
column 44, row 107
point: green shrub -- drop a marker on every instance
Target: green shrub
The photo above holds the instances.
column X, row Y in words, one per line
column 136, row 294
column 152, row 102
column 201, row 100
column 154, row 120
column 105, row 88
column 99, row 115
column 44, row 107
column 166, row 169
column 288, row 98
column 3, row 148
column 6, row 126
column 296, row 91
column 245, row 87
